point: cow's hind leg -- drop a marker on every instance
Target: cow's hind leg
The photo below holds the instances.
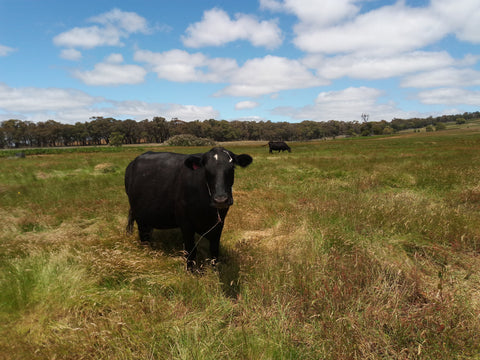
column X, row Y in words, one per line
column 145, row 233
column 130, row 223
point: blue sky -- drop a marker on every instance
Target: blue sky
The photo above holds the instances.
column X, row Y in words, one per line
column 279, row 60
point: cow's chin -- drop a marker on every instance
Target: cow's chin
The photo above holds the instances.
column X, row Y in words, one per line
column 224, row 205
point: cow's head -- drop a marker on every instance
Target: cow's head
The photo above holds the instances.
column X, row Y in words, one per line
column 219, row 167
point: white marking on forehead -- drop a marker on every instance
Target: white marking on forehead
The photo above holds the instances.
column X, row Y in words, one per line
column 228, row 154
column 215, row 157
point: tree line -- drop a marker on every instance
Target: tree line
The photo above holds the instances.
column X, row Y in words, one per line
column 100, row 130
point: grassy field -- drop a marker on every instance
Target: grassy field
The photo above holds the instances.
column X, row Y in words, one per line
column 346, row 249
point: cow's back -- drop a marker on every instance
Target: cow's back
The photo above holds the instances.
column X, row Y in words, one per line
column 152, row 182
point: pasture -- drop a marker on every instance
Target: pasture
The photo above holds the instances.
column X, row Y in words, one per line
column 364, row 248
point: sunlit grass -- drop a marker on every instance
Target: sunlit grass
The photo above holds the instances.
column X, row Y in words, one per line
column 346, row 249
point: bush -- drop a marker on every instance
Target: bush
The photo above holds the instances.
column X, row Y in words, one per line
column 188, row 140
column 388, row 131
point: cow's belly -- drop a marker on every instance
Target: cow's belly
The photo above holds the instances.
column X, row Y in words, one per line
column 157, row 218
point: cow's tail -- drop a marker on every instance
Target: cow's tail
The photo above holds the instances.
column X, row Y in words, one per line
column 130, row 222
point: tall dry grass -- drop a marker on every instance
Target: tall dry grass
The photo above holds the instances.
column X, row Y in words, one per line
column 346, row 249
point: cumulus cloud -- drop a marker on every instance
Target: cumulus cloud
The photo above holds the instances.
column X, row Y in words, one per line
column 142, row 110
column 217, row 28
column 181, row 66
column 256, row 77
column 71, row 54
column 5, row 50
column 30, row 99
column 113, row 26
column 384, row 31
column 447, row 77
column 313, row 12
column 70, row 106
column 450, row 96
column 270, row 74
column 338, row 26
column 347, row 105
column 462, row 17
column 244, row 105
column 123, row 20
column 112, row 72
column 377, row 67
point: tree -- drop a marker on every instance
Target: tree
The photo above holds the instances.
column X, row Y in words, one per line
column 13, row 132
column 80, row 134
column 129, row 129
column 101, row 128
column 49, row 133
column 116, row 138
column 159, row 128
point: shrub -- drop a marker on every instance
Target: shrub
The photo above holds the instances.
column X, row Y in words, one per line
column 189, row 140
column 388, row 131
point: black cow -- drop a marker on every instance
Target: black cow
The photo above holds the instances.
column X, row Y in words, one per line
column 278, row 145
column 190, row 192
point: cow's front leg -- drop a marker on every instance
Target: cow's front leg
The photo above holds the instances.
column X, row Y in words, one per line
column 214, row 240
column 190, row 247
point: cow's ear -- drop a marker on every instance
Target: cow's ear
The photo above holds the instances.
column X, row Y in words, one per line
column 193, row 162
column 243, row 160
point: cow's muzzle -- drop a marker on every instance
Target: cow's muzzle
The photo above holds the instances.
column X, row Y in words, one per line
column 222, row 201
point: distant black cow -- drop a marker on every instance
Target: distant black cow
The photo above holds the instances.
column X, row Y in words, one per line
column 190, row 192
column 278, row 145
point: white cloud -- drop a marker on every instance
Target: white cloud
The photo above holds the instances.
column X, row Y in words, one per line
column 448, row 77
column 130, row 22
column 362, row 96
column 268, row 75
column 181, row 66
column 377, row 67
column 88, row 37
column 70, row 106
column 243, row 105
column 142, row 110
column 115, row 25
column 256, row 77
column 112, row 72
column 30, row 99
column 384, row 31
column 313, row 12
column 450, row 96
column 462, row 17
column 6, row 50
column 345, row 105
column 217, row 28
column 137, row 110
column 338, row 26
column 71, row 54
column 114, row 59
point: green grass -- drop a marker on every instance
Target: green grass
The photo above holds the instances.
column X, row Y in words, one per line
column 349, row 249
